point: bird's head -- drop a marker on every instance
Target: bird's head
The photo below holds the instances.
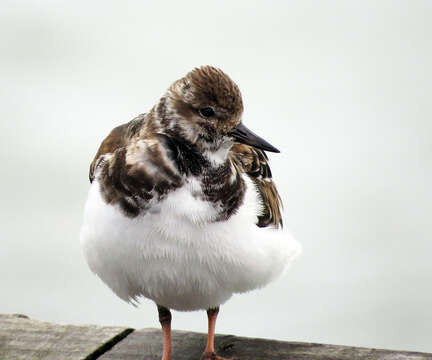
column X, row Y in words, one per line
column 205, row 107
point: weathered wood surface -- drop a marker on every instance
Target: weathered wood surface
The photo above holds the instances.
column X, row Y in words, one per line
column 147, row 344
column 22, row 338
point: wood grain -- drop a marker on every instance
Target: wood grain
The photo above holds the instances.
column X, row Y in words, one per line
column 22, row 338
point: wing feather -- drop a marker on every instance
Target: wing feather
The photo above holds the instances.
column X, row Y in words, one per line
column 254, row 163
column 117, row 139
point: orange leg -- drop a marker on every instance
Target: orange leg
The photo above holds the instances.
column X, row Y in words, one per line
column 165, row 320
column 209, row 352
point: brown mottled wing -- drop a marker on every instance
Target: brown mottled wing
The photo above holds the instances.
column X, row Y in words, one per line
column 254, row 163
column 134, row 185
column 116, row 139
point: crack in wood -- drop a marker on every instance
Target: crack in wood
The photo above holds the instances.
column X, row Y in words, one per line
column 109, row 345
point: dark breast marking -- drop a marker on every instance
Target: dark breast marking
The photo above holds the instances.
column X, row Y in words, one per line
column 185, row 155
column 219, row 188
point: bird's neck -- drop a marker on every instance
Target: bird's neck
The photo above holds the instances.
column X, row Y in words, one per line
column 218, row 156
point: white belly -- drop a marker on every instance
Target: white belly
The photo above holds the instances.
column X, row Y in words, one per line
column 176, row 256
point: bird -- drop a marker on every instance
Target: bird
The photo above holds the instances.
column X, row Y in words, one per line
column 182, row 208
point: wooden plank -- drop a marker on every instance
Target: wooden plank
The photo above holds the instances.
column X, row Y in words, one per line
column 147, row 344
column 22, row 339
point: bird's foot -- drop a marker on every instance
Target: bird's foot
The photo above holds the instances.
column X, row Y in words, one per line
column 213, row 356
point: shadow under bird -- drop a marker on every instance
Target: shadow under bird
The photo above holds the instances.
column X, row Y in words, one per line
column 182, row 208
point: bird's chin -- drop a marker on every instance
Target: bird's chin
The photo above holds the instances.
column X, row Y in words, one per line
column 227, row 143
column 224, row 145
column 212, row 144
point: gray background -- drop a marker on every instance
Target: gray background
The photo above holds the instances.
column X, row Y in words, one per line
column 342, row 87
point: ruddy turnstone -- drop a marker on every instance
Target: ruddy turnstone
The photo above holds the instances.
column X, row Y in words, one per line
column 182, row 208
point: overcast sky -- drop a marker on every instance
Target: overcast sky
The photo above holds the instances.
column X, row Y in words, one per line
column 341, row 87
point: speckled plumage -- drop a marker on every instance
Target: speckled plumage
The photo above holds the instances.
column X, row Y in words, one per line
column 167, row 145
column 182, row 208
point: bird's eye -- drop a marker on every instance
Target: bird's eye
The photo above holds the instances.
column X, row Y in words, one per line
column 206, row 112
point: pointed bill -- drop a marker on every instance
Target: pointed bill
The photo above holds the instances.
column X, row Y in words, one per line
column 243, row 135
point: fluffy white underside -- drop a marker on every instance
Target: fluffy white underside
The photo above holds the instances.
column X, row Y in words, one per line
column 176, row 256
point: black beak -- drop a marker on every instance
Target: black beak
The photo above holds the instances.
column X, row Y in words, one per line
column 243, row 135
